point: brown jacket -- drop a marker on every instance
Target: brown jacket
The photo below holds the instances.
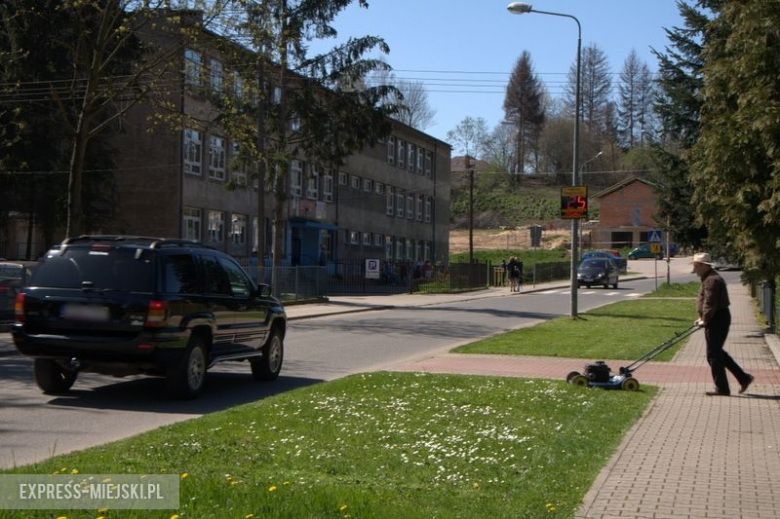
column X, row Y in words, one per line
column 713, row 296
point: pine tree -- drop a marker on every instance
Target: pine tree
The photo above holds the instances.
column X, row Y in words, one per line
column 635, row 96
column 523, row 108
column 594, row 90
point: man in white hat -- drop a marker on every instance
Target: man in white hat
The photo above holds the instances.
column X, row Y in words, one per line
column 713, row 306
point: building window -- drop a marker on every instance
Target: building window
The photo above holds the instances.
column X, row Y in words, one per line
column 216, row 158
column 379, row 240
column 391, row 150
column 355, row 182
column 390, row 201
column 238, row 229
column 380, row 188
column 410, row 249
column 296, row 178
column 428, row 163
column 342, row 178
column 428, row 204
column 192, row 67
column 216, row 226
column 238, row 86
column 191, row 223
column 399, row 248
column 193, row 147
column 420, row 156
column 367, row 238
column 399, row 204
column 354, row 237
column 427, row 251
column 368, row 185
column 237, row 166
column 313, row 184
column 410, row 156
column 389, row 248
column 418, row 250
column 327, row 188
column 215, row 76
column 419, row 208
column 410, row 207
column 401, row 153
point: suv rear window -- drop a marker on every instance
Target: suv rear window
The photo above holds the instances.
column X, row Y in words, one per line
column 124, row 269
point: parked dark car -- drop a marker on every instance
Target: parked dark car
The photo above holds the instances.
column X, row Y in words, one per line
column 13, row 276
column 121, row 305
column 597, row 271
column 612, row 254
column 643, row 251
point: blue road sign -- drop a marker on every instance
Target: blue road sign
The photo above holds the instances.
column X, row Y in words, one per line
column 654, row 236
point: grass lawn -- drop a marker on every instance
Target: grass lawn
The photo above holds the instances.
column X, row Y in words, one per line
column 380, row 445
column 624, row 330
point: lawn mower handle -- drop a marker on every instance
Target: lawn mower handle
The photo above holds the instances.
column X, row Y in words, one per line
column 678, row 336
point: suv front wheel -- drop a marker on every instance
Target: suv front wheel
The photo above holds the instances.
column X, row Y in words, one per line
column 269, row 365
column 185, row 378
column 51, row 377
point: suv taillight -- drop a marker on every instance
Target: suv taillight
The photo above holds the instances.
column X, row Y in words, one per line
column 19, row 308
column 157, row 314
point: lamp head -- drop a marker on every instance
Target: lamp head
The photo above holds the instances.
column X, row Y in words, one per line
column 519, row 7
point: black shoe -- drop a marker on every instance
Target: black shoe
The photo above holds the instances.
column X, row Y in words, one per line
column 717, row 393
column 743, row 387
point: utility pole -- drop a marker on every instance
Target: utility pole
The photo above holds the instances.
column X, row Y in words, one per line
column 470, row 168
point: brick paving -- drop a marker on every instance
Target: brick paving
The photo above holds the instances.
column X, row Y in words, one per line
column 690, row 456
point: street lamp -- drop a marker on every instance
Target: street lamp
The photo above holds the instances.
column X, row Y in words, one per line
column 521, row 8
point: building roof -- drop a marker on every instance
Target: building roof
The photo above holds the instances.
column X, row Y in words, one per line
column 623, row 183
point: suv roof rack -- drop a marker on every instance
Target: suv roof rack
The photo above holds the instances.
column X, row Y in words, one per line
column 151, row 242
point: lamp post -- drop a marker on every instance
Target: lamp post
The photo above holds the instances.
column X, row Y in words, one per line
column 521, row 8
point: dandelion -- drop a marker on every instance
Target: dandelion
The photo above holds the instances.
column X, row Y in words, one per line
column 74, row 471
column 249, row 516
column 184, row 475
column 551, row 507
column 175, row 516
column 272, row 488
column 343, row 507
column 475, row 486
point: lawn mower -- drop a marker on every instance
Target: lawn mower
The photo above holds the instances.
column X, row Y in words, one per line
column 598, row 373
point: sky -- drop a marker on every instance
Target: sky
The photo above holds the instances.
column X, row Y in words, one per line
column 463, row 51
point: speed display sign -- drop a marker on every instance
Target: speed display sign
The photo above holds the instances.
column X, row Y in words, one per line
column 574, row 202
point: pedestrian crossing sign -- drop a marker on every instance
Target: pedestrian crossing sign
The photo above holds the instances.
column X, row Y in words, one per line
column 654, row 236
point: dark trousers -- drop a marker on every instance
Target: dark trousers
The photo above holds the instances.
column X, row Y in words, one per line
column 719, row 360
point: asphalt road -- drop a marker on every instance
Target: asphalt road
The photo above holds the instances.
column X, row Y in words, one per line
column 100, row 409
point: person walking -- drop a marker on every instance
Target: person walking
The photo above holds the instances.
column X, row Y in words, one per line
column 514, row 274
column 712, row 304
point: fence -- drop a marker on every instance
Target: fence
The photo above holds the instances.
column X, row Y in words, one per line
column 767, row 302
column 349, row 278
column 539, row 273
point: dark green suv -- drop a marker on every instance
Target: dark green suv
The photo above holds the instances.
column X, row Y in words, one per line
column 121, row 305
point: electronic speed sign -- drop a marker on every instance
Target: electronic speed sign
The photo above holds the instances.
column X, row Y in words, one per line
column 574, row 203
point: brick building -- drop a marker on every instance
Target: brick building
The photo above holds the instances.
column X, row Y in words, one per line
column 627, row 212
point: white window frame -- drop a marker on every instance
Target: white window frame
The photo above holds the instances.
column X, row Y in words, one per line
column 410, row 207
column 368, row 185
column 367, row 239
column 379, row 240
column 428, row 207
column 192, row 67
column 217, row 151
column 428, row 163
column 191, row 223
column 193, row 152
column 238, row 229
column 215, row 76
column 410, row 156
column 420, row 156
column 238, row 172
column 389, row 248
column 399, row 248
column 409, row 249
column 216, row 229
column 419, row 207
column 354, row 237
column 355, row 182
column 427, row 253
column 391, row 151
column 343, row 178
column 401, row 153
column 296, row 178
column 399, row 203
column 390, row 201
column 313, row 183
column 327, row 188
column 379, row 188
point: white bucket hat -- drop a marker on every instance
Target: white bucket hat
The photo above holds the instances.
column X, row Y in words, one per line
column 703, row 257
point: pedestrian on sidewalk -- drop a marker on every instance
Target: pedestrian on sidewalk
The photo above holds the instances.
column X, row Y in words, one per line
column 714, row 316
column 514, row 274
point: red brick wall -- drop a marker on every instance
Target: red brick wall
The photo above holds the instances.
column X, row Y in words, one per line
column 626, row 205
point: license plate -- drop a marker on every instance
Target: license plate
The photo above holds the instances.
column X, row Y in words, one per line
column 90, row 313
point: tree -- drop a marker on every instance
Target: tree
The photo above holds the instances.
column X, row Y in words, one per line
column 736, row 173
column 595, row 89
column 523, row 107
column 678, row 105
column 469, row 136
column 499, row 148
column 315, row 106
column 635, row 97
column 410, row 97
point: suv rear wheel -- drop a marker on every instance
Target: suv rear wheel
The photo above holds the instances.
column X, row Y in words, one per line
column 185, row 378
column 270, row 364
column 52, row 377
